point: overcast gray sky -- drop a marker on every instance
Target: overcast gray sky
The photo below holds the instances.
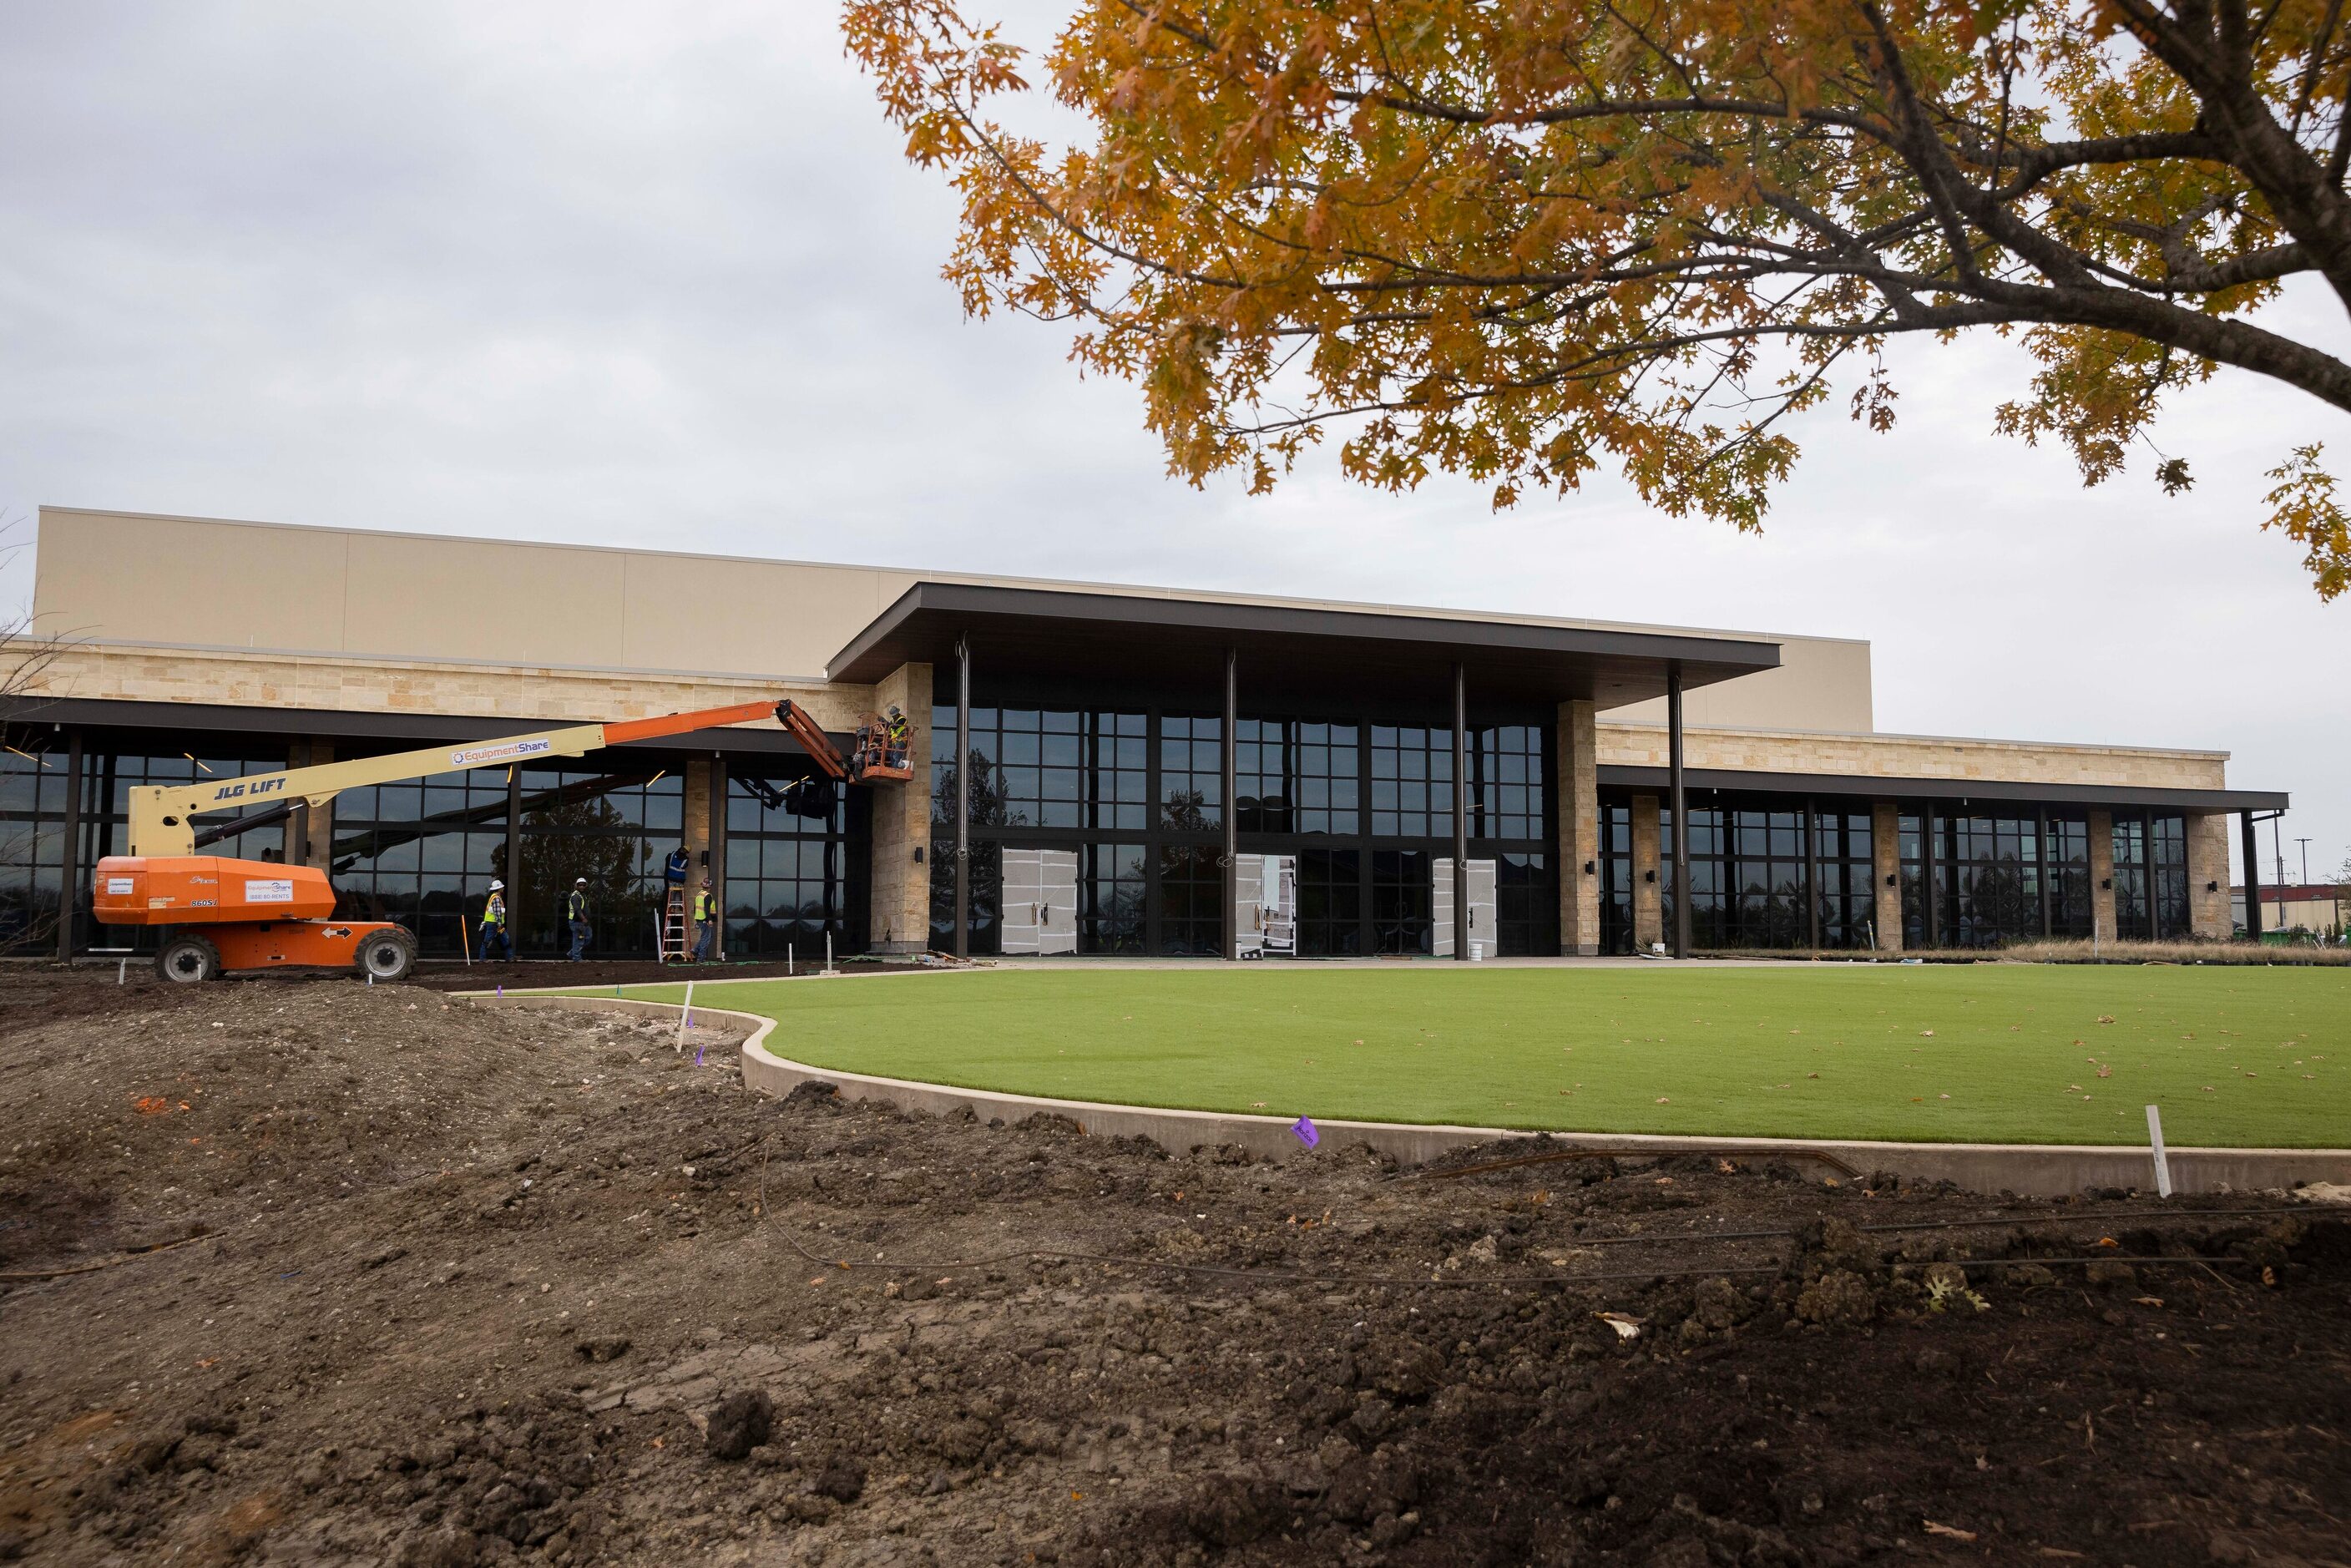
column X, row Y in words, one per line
column 657, row 276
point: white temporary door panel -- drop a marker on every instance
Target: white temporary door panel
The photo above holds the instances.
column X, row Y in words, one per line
column 1248, row 904
column 1483, row 915
column 1041, row 900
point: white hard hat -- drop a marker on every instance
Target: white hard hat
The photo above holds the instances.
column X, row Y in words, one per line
column 579, row 881
column 496, row 886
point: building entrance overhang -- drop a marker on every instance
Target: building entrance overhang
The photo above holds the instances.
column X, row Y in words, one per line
column 1287, row 652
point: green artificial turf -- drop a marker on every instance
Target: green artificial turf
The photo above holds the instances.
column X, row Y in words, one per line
column 1990, row 1053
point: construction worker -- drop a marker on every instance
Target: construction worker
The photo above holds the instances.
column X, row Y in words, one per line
column 576, row 912
column 899, row 737
column 494, row 924
column 705, row 919
column 673, row 868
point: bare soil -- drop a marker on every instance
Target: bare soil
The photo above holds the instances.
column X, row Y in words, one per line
column 525, row 1286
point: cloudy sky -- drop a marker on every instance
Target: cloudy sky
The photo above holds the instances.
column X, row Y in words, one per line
column 657, row 276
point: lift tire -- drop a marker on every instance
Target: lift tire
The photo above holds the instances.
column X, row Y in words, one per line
column 387, row 956
column 187, row 959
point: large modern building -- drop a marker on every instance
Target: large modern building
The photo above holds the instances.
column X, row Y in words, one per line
column 1147, row 771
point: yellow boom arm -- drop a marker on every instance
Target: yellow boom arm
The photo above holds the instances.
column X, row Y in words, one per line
column 162, row 817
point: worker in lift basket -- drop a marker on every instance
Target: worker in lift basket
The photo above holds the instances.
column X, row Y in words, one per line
column 494, row 925
column 898, row 738
column 705, row 919
column 576, row 912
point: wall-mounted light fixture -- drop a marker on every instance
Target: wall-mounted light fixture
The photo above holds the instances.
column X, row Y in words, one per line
column 918, row 854
column 2211, row 887
column 1649, row 875
column 1590, row 867
column 2105, row 883
column 1893, row 879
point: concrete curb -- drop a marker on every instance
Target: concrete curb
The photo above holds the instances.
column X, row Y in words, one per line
column 2033, row 1170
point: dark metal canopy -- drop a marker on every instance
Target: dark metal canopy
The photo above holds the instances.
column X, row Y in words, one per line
column 1284, row 651
column 1989, row 791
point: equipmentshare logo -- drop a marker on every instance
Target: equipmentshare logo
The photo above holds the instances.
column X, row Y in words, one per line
column 510, row 750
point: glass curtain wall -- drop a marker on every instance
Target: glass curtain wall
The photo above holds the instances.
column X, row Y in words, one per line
column 1747, row 875
column 1844, row 855
column 423, row 853
column 33, row 787
column 1996, row 878
column 787, row 884
column 1766, row 871
column 2151, row 850
column 1367, row 808
column 1615, row 876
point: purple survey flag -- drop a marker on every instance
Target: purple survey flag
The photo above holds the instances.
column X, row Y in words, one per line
column 1307, row 1131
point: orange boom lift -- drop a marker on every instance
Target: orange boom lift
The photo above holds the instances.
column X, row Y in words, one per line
column 261, row 914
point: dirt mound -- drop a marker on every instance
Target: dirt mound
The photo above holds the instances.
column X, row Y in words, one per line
column 478, row 1287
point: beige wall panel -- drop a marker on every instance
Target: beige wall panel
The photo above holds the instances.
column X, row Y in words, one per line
column 769, row 618
column 486, row 603
column 1821, row 684
column 209, row 556
column 107, row 577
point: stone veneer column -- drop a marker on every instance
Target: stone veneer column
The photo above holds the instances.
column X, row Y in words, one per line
column 2209, row 916
column 1578, row 782
column 2101, row 873
column 310, row 832
column 1885, row 866
column 898, row 896
column 1648, row 910
column 694, row 823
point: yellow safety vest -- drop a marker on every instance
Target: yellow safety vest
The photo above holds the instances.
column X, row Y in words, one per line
column 705, row 908
column 494, row 912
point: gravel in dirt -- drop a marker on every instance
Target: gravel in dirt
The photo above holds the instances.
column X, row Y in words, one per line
column 432, row 1285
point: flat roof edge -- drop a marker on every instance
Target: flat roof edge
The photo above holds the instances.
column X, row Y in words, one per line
column 1904, row 735
column 2013, row 790
column 1176, row 612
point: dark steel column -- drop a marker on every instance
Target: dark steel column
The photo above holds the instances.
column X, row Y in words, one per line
column 2041, row 818
column 717, row 835
column 513, row 878
column 1460, row 815
column 1680, row 808
column 1231, row 754
column 297, row 824
column 963, row 800
column 1931, row 904
column 69, row 878
column 2251, row 847
column 1813, row 871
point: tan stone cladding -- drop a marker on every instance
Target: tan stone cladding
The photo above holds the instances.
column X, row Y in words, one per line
column 1648, row 909
column 1579, row 832
column 900, row 898
column 2208, row 875
column 526, row 695
column 1915, row 756
column 1885, row 871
